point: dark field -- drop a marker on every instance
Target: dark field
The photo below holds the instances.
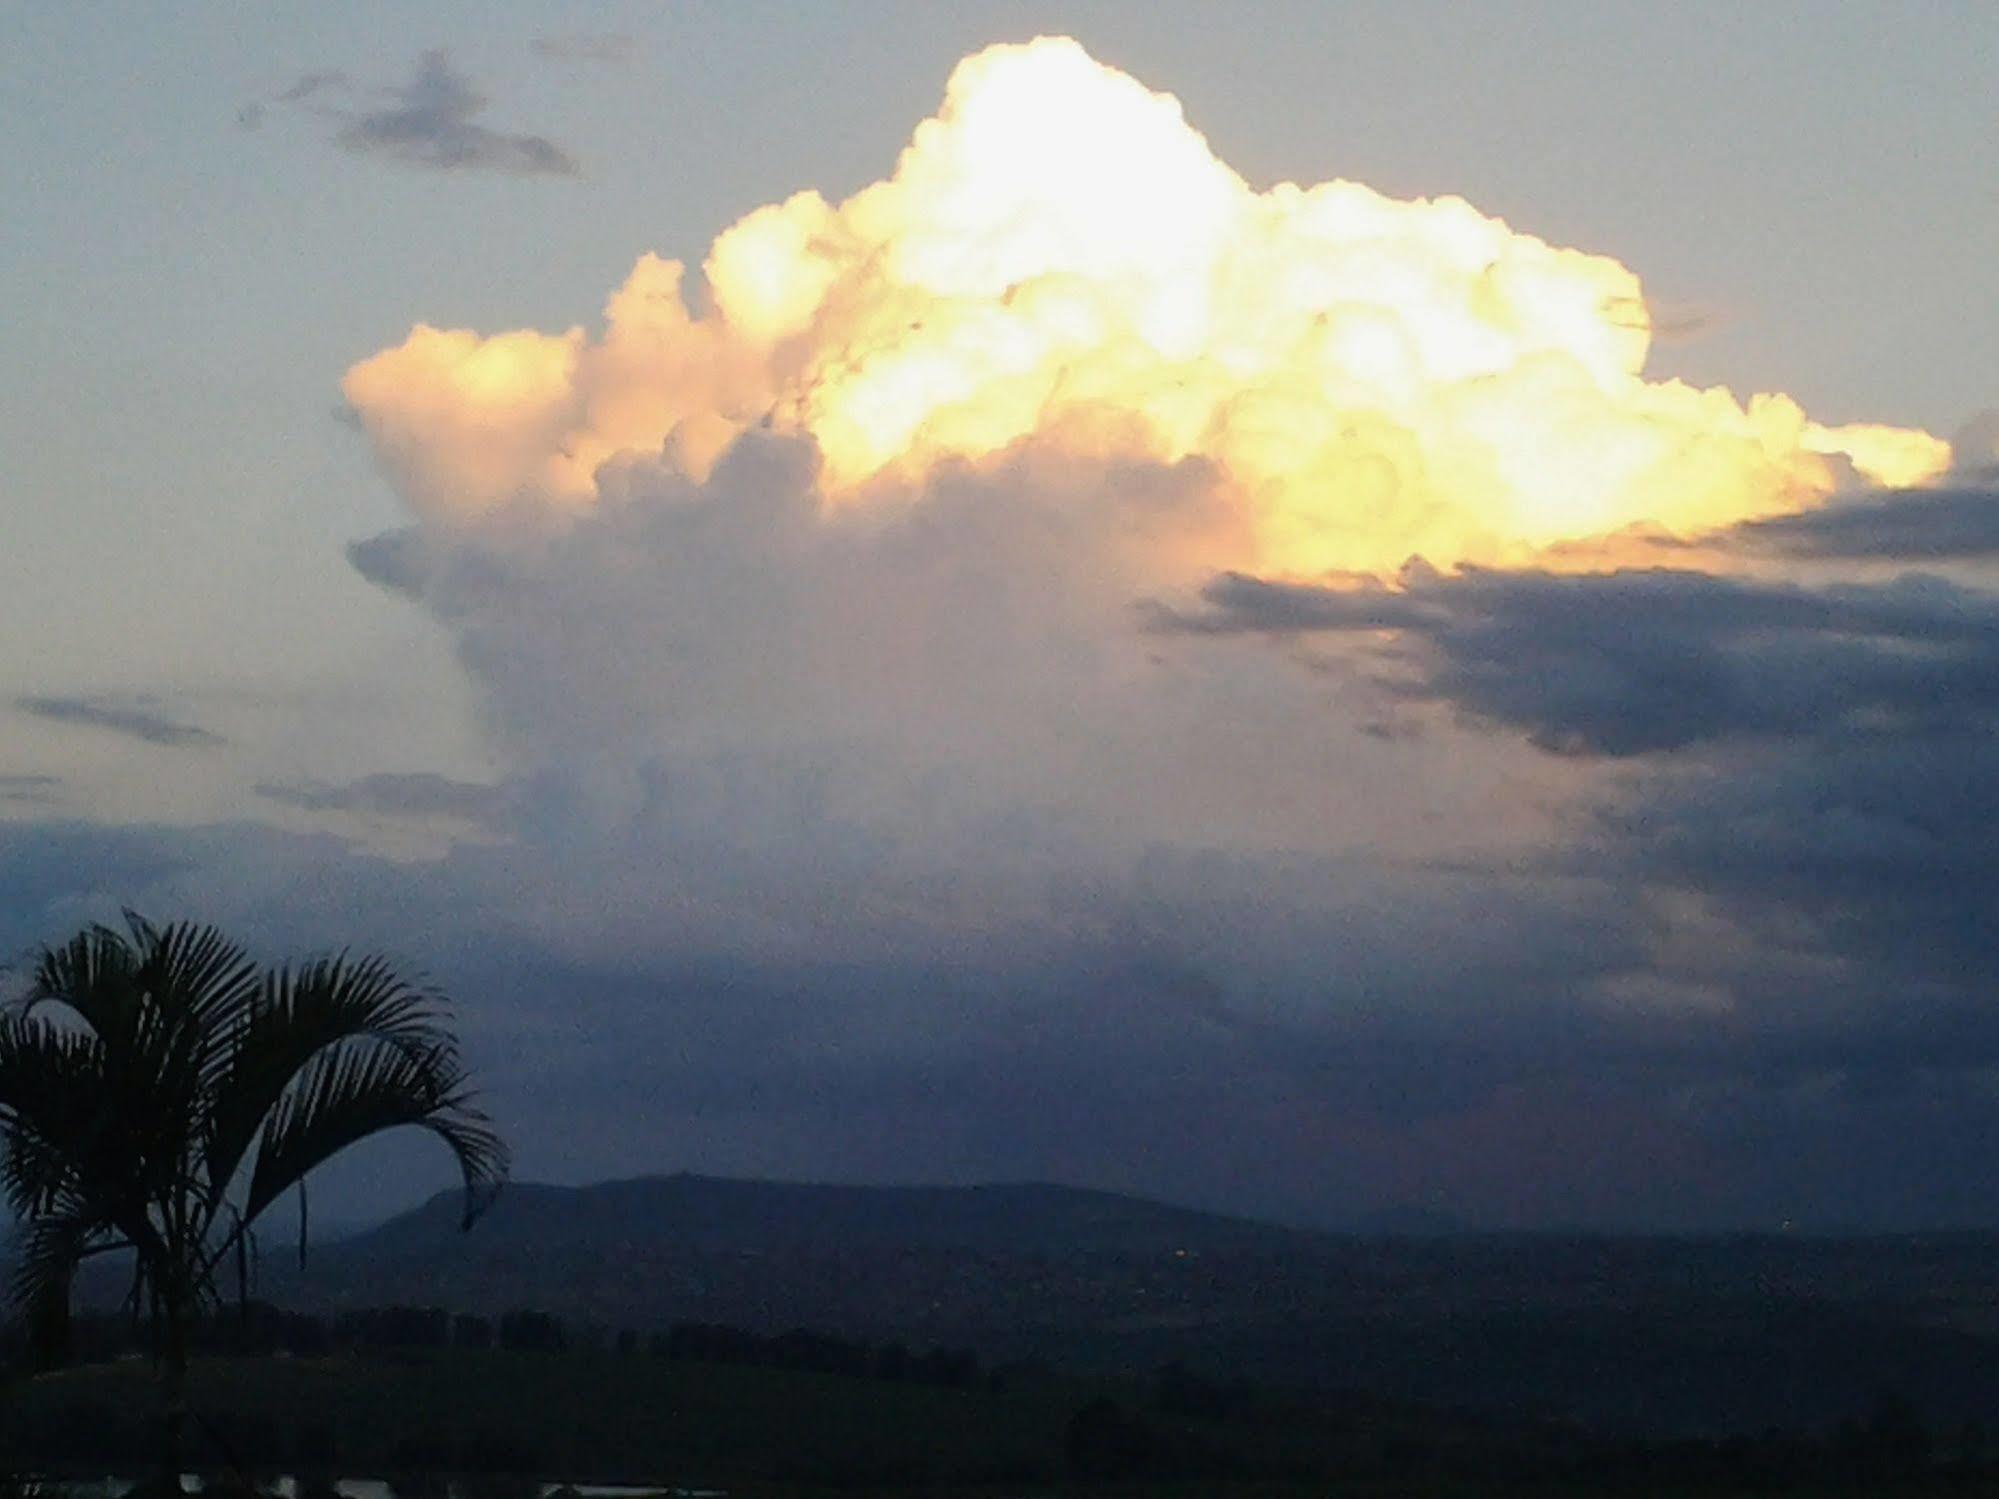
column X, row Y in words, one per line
column 493, row 1419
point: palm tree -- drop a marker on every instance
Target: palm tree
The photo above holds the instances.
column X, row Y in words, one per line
column 159, row 1091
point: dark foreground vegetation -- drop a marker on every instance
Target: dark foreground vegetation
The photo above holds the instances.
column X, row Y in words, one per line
column 417, row 1396
column 160, row 1091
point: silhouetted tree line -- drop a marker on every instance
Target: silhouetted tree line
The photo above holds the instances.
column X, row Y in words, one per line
column 257, row 1328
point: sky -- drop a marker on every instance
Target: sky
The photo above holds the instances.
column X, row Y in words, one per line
column 1312, row 610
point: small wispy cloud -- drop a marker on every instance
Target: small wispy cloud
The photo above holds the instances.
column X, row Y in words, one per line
column 1665, row 322
column 314, row 85
column 28, row 790
column 133, row 718
column 422, row 794
column 429, row 122
column 301, row 91
column 584, row 46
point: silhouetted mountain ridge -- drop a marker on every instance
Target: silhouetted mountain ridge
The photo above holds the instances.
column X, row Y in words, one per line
column 709, row 1214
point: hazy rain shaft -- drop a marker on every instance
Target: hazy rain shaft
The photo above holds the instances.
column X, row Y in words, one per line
column 1060, row 261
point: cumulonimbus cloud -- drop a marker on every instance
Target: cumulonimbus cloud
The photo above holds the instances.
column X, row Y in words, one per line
column 888, row 515
column 1004, row 572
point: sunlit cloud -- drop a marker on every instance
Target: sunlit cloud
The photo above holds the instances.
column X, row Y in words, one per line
column 1059, row 258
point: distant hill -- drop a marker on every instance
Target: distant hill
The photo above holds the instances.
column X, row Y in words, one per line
column 653, row 1250
column 721, row 1215
column 1413, row 1223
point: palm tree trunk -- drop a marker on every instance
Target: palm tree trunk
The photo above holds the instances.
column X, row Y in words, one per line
column 49, row 1327
column 173, row 1392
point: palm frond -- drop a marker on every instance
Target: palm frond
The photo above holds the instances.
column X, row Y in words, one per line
column 49, row 1247
column 60, row 1134
column 364, row 1087
column 165, row 1003
column 93, row 975
column 296, row 1014
column 195, row 986
column 199, row 984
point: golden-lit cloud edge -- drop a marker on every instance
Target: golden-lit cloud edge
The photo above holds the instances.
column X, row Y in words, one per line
column 1059, row 260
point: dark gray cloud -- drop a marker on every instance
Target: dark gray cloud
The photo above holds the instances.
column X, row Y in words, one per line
column 1240, row 604
column 135, row 718
column 422, row 794
column 585, row 46
column 1638, row 661
column 1821, row 762
column 430, row 122
column 1923, row 525
column 1874, row 854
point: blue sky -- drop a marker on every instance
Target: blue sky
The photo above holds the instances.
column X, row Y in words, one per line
column 207, row 703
